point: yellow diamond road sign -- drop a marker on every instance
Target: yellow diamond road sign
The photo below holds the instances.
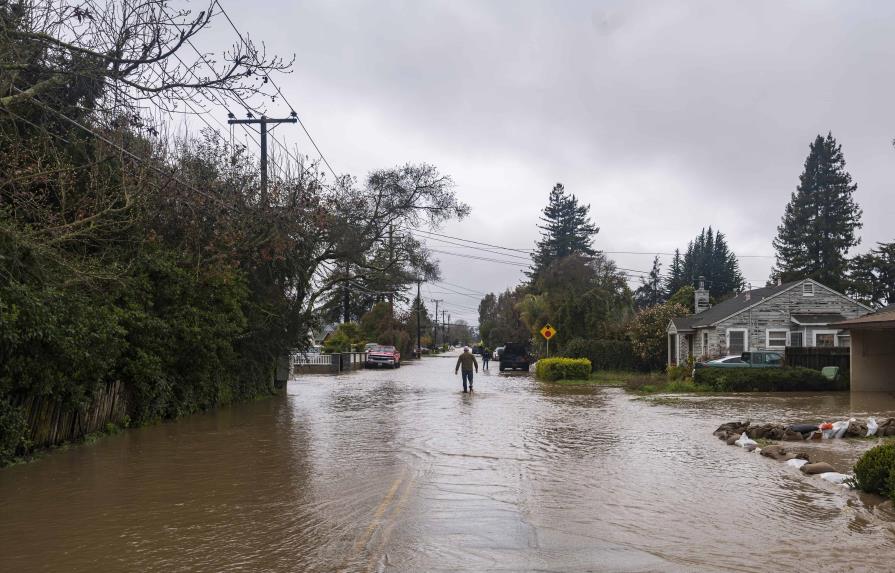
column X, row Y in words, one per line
column 548, row 332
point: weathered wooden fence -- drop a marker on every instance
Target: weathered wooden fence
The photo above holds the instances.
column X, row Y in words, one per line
column 817, row 358
column 52, row 422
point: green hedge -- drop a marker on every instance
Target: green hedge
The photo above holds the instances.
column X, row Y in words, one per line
column 551, row 369
column 603, row 354
column 875, row 471
column 765, row 380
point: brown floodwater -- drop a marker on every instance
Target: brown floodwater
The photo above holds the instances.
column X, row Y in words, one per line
column 398, row 470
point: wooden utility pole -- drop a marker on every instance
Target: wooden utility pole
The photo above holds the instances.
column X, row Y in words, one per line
column 435, row 331
column 263, row 121
column 419, row 320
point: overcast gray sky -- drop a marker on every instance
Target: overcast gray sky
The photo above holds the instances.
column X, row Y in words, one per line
column 664, row 116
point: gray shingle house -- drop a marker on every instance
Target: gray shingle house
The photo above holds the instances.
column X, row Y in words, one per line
column 800, row 313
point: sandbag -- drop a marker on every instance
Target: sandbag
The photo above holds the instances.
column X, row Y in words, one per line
column 796, row 462
column 872, row 426
column 802, row 428
column 817, row 468
column 834, row 477
column 746, row 442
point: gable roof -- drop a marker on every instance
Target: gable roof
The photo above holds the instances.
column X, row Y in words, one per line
column 741, row 302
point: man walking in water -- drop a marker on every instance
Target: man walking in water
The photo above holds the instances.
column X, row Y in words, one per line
column 466, row 362
column 486, row 357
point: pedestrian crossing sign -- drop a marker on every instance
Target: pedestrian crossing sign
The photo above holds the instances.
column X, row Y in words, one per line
column 548, row 332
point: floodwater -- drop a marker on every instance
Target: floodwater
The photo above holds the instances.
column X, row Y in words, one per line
column 398, row 470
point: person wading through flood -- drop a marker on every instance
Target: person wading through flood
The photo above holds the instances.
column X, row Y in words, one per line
column 466, row 362
column 486, row 357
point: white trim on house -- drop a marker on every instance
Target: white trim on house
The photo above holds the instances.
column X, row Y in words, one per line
column 776, row 294
column 832, row 332
column 806, row 292
column 745, row 332
column 767, row 338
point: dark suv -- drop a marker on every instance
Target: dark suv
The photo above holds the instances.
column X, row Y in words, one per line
column 514, row 356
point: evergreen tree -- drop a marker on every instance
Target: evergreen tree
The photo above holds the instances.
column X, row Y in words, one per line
column 566, row 230
column 818, row 226
column 676, row 278
column 650, row 292
column 709, row 256
column 873, row 276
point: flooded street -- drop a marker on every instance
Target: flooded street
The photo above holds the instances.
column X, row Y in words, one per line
column 398, row 470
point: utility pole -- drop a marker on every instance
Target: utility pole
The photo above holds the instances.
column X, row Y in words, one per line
column 443, row 331
column 263, row 121
column 448, row 326
column 435, row 332
column 419, row 320
column 346, row 297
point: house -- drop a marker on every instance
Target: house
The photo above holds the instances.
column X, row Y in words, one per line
column 872, row 350
column 799, row 313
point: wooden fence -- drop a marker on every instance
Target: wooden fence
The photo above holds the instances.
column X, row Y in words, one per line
column 817, row 358
column 51, row 422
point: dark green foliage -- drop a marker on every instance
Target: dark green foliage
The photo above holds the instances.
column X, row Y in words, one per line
column 649, row 334
column 603, row 354
column 875, row 471
column 566, row 230
column 765, row 380
column 13, row 432
column 500, row 320
column 707, row 256
column 872, row 276
column 552, row 369
column 650, row 292
column 819, row 224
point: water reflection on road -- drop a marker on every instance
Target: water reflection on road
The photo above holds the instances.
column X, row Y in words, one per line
column 398, row 470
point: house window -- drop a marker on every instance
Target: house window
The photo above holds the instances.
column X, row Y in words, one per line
column 807, row 289
column 843, row 340
column 824, row 340
column 776, row 338
column 705, row 343
column 736, row 341
column 796, row 339
column 673, row 349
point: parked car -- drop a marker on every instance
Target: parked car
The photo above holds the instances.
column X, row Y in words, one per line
column 497, row 352
column 383, row 356
column 476, row 349
column 514, row 356
column 752, row 359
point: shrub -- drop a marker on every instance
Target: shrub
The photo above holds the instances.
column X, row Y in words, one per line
column 875, row 471
column 13, row 432
column 552, row 369
column 603, row 354
column 763, row 380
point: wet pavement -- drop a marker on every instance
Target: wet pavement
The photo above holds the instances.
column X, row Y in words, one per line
column 398, row 470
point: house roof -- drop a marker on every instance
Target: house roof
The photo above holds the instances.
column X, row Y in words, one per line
column 682, row 323
column 734, row 305
column 884, row 318
column 808, row 318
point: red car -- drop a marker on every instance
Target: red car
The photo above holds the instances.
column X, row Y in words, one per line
column 383, row 356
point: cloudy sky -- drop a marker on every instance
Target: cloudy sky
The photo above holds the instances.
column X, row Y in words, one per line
column 664, row 116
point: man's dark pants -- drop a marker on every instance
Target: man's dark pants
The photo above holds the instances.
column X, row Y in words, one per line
column 467, row 375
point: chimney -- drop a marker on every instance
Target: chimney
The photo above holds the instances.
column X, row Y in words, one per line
column 702, row 297
column 779, row 280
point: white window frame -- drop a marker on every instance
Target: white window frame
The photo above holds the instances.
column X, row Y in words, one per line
column 816, row 332
column 767, row 337
column 807, row 289
column 848, row 336
column 705, row 343
column 745, row 332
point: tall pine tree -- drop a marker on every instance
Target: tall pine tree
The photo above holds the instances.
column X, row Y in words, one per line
column 709, row 256
column 650, row 292
column 676, row 278
column 566, row 229
column 819, row 224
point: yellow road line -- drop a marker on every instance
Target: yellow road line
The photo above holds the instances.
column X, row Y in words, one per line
column 377, row 517
column 374, row 555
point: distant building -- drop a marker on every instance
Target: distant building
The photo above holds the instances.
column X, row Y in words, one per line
column 872, row 350
column 799, row 313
